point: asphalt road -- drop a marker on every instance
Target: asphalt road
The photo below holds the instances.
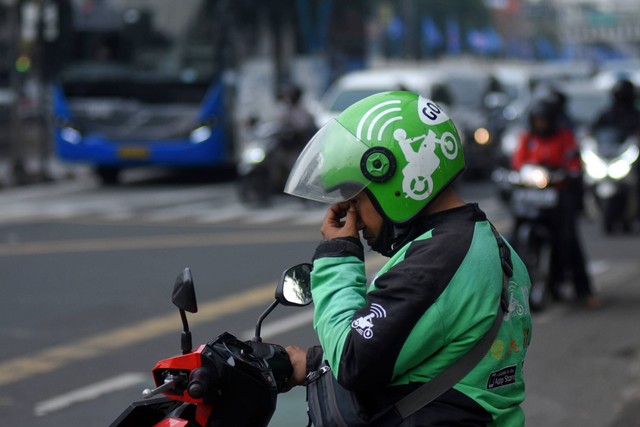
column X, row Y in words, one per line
column 87, row 277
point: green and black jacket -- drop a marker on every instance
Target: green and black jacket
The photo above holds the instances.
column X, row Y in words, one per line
column 432, row 301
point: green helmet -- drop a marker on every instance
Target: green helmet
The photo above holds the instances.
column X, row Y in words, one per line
column 399, row 146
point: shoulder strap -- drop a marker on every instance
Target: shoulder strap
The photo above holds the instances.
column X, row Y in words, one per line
column 430, row 391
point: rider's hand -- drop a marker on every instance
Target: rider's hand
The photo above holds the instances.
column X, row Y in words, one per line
column 341, row 220
column 298, row 359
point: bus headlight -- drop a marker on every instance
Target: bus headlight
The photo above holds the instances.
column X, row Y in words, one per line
column 200, row 134
column 71, row 135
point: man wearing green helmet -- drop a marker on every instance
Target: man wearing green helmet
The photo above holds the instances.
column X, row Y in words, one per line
column 386, row 165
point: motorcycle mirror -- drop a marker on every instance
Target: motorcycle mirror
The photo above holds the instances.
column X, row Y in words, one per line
column 294, row 288
column 184, row 297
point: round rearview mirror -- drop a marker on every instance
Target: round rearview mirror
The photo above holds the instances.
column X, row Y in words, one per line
column 295, row 286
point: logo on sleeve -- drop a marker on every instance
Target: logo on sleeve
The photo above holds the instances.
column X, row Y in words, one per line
column 501, row 378
column 364, row 325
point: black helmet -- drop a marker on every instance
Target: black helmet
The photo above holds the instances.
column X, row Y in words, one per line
column 623, row 93
column 543, row 109
column 550, row 93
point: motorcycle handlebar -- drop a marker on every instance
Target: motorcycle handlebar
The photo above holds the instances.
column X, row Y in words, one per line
column 199, row 382
column 278, row 360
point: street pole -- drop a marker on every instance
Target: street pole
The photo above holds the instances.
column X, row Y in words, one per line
column 16, row 159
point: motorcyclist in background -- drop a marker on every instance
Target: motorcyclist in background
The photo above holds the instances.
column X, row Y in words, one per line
column 624, row 116
column 296, row 126
column 622, row 112
column 548, row 143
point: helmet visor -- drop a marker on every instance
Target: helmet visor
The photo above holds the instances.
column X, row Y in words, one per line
column 328, row 169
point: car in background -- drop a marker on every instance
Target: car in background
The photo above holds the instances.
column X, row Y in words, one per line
column 357, row 85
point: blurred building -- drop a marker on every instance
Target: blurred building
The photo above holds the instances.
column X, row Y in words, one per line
column 601, row 28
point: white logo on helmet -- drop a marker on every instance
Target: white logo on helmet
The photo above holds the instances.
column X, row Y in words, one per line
column 377, row 119
column 430, row 113
column 417, row 182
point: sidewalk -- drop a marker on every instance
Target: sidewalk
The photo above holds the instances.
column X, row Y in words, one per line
column 33, row 171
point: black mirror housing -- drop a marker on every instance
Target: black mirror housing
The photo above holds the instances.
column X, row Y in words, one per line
column 184, row 294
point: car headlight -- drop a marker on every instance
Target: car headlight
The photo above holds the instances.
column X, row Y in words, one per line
column 481, row 136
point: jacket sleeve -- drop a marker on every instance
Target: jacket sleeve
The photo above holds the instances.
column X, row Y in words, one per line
column 338, row 287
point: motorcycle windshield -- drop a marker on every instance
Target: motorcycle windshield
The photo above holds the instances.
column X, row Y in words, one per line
column 328, row 169
column 609, row 141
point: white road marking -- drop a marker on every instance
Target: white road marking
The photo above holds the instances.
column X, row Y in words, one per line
column 90, row 392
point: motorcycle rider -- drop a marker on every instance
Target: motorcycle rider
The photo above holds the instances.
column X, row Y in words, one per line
column 623, row 115
column 439, row 291
column 549, row 144
column 296, row 126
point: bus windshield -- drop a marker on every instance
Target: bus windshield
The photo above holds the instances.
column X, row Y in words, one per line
column 119, row 44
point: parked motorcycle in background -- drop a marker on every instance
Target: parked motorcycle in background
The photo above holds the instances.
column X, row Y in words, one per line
column 609, row 163
column 267, row 159
column 226, row 382
column 259, row 170
column 533, row 194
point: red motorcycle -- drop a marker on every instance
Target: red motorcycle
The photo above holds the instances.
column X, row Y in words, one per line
column 226, row 382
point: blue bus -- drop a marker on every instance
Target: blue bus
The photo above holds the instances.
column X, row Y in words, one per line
column 142, row 84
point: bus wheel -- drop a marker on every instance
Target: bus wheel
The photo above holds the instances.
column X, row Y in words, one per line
column 109, row 175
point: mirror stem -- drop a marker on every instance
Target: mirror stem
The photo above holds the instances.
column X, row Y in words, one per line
column 186, row 340
column 273, row 305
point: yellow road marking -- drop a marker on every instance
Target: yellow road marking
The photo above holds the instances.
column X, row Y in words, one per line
column 50, row 359
column 59, row 356
column 157, row 242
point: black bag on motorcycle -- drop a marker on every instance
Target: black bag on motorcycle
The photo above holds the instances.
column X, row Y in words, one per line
column 331, row 405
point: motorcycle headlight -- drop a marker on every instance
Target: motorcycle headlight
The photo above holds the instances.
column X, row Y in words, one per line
column 534, row 176
column 619, row 169
column 595, row 167
column 630, row 155
column 253, row 155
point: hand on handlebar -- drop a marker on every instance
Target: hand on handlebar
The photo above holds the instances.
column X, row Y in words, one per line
column 298, row 359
